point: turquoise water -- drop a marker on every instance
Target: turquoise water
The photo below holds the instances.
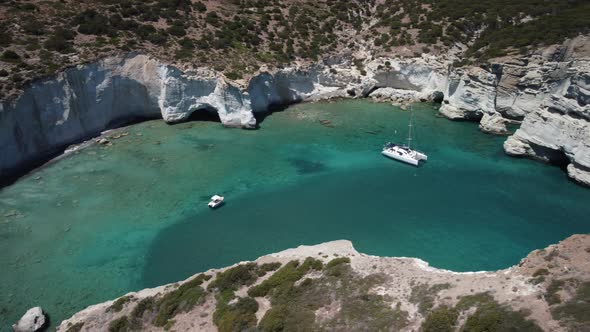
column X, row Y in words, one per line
column 115, row 219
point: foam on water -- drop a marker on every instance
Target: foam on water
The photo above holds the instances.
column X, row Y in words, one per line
column 109, row 220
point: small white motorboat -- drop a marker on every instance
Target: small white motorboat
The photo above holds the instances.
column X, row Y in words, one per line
column 216, row 201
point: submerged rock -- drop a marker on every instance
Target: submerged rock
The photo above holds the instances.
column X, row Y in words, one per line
column 33, row 320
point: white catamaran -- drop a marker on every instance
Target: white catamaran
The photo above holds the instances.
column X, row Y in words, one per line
column 404, row 153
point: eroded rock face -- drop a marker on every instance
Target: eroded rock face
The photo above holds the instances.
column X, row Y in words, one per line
column 88, row 99
column 84, row 101
column 559, row 130
column 33, row 320
column 470, row 94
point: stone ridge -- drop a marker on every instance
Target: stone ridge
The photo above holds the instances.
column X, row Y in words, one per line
column 538, row 290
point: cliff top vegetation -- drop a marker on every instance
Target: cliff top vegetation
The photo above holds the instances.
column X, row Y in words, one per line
column 41, row 37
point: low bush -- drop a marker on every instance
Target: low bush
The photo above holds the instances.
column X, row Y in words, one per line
column 441, row 319
column 240, row 316
column 235, row 277
column 119, row 325
column 180, row 300
column 75, row 327
column 551, row 294
column 118, row 305
column 540, row 272
column 146, row 304
column 493, row 317
column 577, row 309
column 10, row 56
column 337, row 261
column 287, row 275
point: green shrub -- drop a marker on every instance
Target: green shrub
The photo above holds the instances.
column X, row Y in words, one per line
column 576, row 309
column 540, row 272
column 235, row 277
column 286, row 276
column 33, row 27
column 118, row 305
column 212, row 18
column 338, row 261
column 424, row 295
column 60, row 41
column 10, row 56
column 468, row 301
column 90, row 22
column 180, row 300
column 119, row 325
column 199, row 6
column 493, row 317
column 146, row 304
column 274, row 319
column 177, row 30
column 551, row 295
column 232, row 75
column 240, row 316
column 270, row 266
column 441, row 319
column 75, row 327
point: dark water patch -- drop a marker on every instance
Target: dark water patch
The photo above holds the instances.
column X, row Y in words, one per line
column 273, row 108
column 46, row 158
column 441, row 215
column 304, row 166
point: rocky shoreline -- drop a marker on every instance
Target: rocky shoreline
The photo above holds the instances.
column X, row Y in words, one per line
column 543, row 292
column 547, row 93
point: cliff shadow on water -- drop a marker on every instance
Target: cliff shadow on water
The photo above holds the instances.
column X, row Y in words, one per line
column 275, row 108
column 11, row 175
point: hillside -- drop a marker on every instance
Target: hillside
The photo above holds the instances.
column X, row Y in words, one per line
column 39, row 38
column 332, row 287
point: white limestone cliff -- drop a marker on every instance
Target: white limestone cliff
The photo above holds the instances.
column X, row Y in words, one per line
column 83, row 101
column 559, row 131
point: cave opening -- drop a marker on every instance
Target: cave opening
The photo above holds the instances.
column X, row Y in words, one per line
column 204, row 114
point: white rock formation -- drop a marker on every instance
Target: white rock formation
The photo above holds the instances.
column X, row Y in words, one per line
column 83, row 101
column 33, row 320
column 559, row 130
column 470, row 94
column 88, row 99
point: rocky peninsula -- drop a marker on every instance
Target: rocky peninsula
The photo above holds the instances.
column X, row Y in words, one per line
column 331, row 286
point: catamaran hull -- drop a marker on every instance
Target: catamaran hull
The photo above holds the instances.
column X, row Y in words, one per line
column 421, row 156
column 403, row 159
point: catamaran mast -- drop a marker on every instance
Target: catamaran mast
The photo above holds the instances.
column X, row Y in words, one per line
column 410, row 129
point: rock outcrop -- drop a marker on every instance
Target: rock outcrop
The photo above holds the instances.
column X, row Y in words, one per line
column 83, row 101
column 88, row 99
column 559, row 131
column 33, row 320
column 407, row 290
column 470, row 93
